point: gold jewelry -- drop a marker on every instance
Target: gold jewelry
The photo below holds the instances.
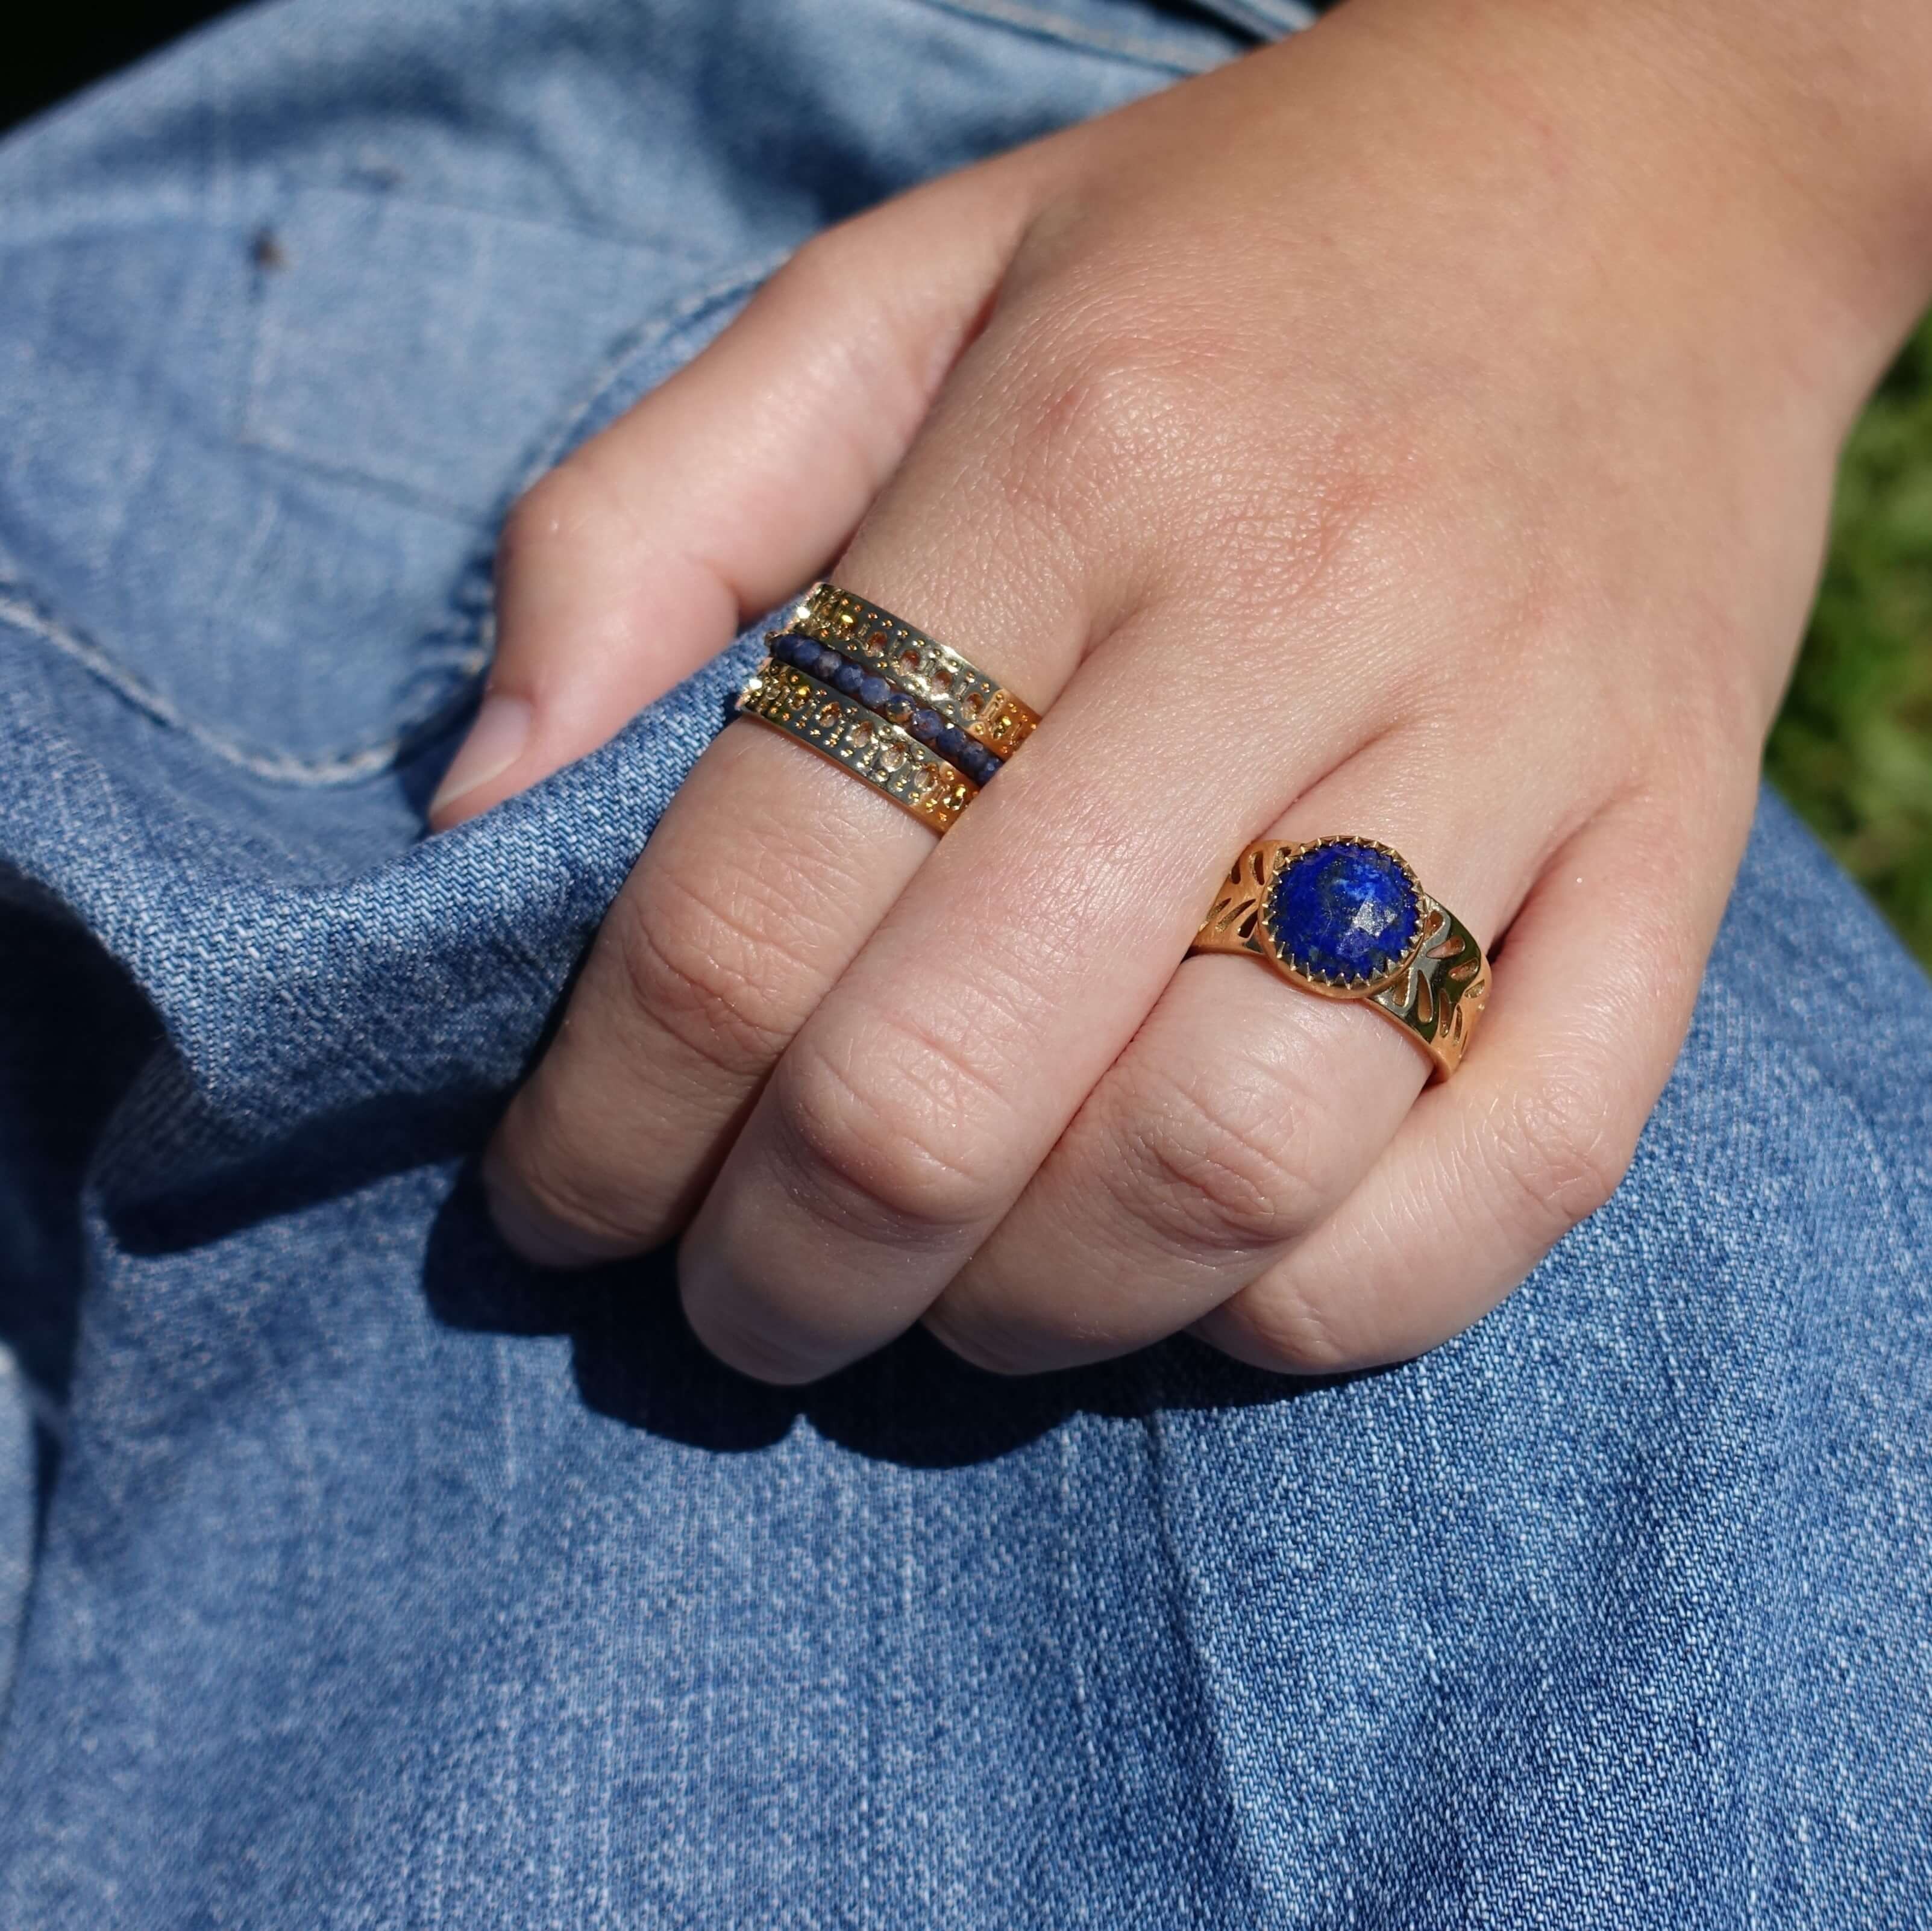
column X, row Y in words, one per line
column 1346, row 918
column 906, row 712
column 839, row 727
column 933, row 673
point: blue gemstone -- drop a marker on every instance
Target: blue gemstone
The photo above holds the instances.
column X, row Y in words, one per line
column 786, row 649
column 847, row 678
column 952, row 743
column 873, row 690
column 979, row 763
column 1343, row 911
column 925, row 725
column 897, row 708
column 825, row 665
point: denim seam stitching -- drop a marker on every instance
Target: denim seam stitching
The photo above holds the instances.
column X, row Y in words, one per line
column 252, row 432
column 1021, row 19
column 744, row 276
column 342, row 769
column 410, row 495
column 472, row 634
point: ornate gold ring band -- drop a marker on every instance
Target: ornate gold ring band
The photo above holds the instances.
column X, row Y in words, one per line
column 891, row 705
column 912, row 774
column 933, row 672
column 1346, row 918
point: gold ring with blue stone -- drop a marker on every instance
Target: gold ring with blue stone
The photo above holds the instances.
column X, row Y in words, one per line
column 1346, row 918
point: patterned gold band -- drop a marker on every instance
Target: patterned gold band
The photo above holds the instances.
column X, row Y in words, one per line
column 1345, row 918
column 838, row 728
column 931, row 671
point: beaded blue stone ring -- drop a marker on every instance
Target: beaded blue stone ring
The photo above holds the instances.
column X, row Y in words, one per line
column 941, row 689
column 887, row 702
column 896, row 707
column 1346, row 918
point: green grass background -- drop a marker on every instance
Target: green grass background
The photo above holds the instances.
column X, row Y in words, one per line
column 1852, row 748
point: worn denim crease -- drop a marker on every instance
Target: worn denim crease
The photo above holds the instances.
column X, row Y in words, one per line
column 354, row 1576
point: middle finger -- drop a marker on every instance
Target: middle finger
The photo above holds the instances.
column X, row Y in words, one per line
column 919, row 1098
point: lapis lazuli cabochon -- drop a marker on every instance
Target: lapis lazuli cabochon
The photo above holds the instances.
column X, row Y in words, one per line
column 1343, row 911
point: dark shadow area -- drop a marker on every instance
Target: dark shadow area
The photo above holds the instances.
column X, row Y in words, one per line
column 419, row 771
column 49, row 52
column 152, row 1213
column 73, row 1033
column 634, row 1358
column 637, row 1361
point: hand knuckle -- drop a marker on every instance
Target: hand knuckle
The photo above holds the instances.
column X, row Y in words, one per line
column 711, row 972
column 559, row 509
column 750, row 1348
column 1554, row 1147
column 545, row 1179
column 988, row 1346
column 1221, row 1165
column 818, row 267
column 876, row 1137
column 1007, row 1325
column 1286, row 1331
column 1101, row 416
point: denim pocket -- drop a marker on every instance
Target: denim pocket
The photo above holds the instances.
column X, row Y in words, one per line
column 424, row 349
column 260, row 423
column 256, row 459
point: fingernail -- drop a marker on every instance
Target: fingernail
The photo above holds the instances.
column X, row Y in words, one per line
column 495, row 742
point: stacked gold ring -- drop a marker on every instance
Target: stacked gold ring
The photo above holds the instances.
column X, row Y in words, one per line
column 839, row 727
column 932, row 672
column 929, row 675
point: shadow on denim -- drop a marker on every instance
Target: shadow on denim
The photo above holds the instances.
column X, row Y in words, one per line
column 637, row 1361
column 74, row 1030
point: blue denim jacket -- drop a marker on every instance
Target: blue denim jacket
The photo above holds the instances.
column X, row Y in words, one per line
column 353, row 1575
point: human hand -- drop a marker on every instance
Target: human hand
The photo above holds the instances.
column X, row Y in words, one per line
column 1423, row 430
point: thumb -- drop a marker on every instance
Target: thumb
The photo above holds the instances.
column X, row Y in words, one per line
column 727, row 488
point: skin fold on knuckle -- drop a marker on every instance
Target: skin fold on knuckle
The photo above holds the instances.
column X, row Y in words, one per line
column 1010, row 1348
column 876, row 1140
column 759, row 1341
column 1105, row 427
column 1279, row 1326
column 567, row 512
column 1215, row 1168
column 1551, row 1153
column 723, row 970
column 550, row 1195
column 1010, row 1325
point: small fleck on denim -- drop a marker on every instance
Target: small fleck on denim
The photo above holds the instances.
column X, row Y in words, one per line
column 353, row 1576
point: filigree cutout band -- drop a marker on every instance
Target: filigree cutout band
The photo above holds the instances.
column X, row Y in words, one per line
column 1345, row 918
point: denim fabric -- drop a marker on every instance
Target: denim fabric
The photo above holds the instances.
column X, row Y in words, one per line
column 353, row 1576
